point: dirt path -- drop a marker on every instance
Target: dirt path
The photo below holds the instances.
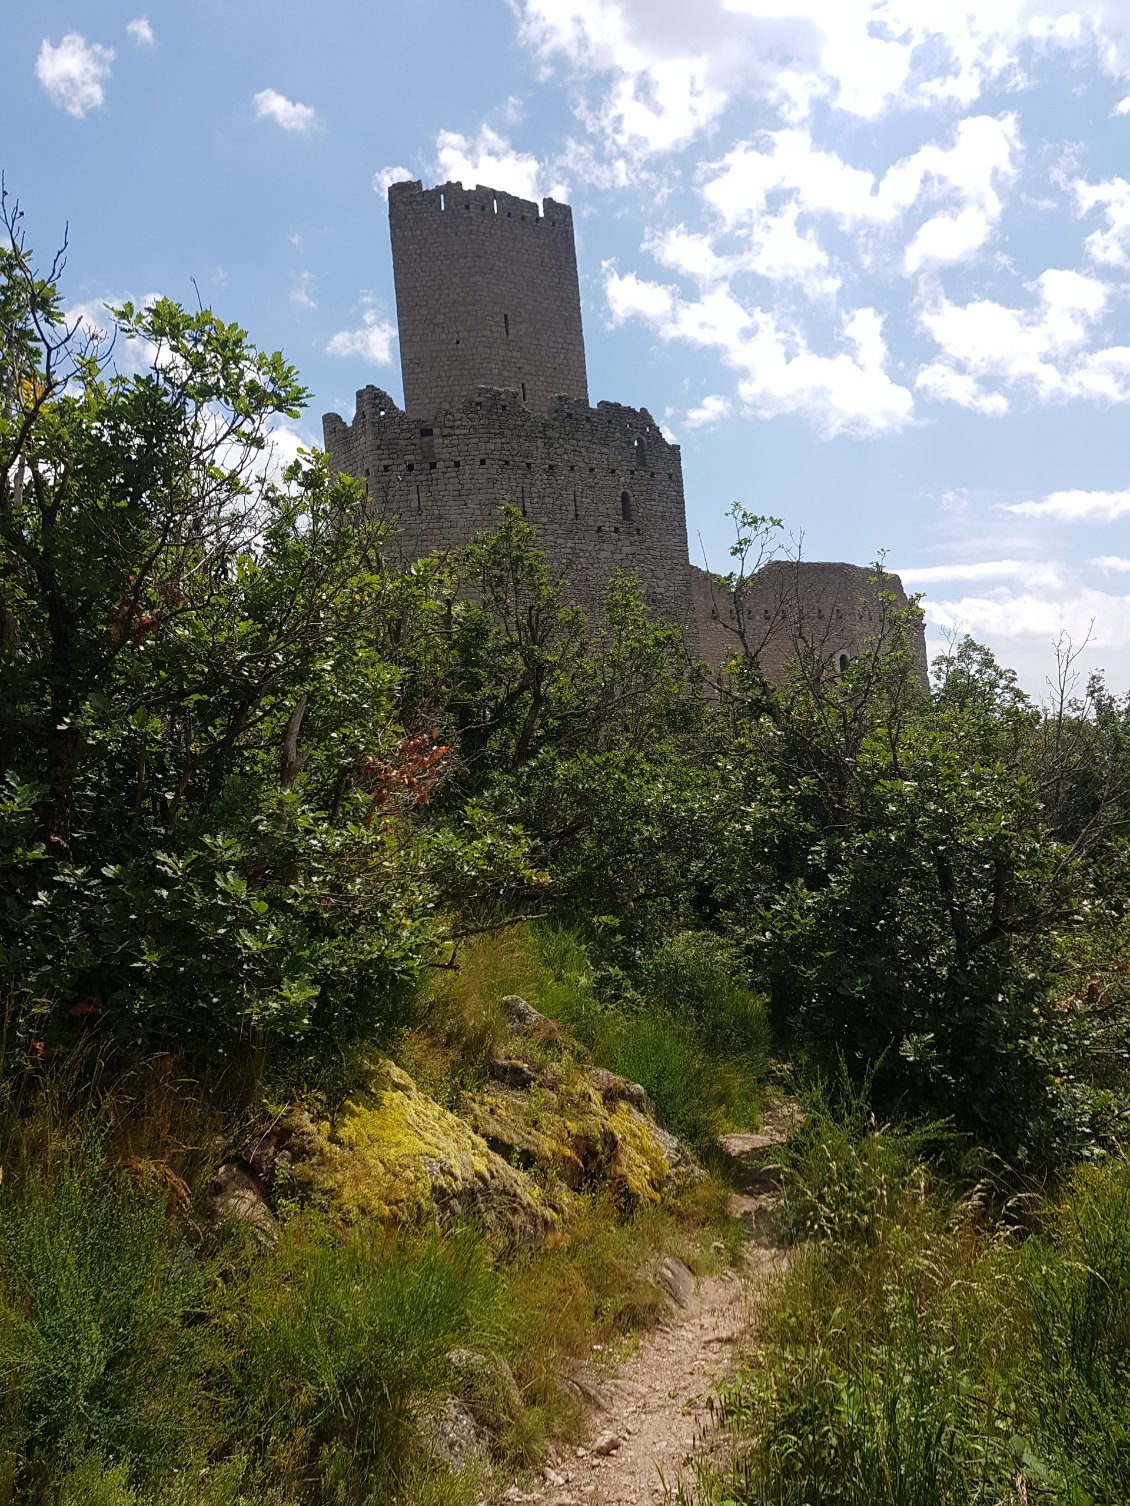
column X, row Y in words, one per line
column 653, row 1411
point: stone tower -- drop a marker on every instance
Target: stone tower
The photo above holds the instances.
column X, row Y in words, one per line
column 496, row 413
column 486, row 296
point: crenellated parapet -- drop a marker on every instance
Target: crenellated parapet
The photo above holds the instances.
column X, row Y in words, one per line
column 602, row 486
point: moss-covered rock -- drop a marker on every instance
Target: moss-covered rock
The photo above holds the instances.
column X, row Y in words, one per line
column 511, row 1155
column 576, row 1134
column 393, row 1153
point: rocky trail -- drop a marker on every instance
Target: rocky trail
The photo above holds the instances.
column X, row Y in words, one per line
column 652, row 1414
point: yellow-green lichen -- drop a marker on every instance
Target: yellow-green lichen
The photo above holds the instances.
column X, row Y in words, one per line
column 640, row 1166
column 393, row 1153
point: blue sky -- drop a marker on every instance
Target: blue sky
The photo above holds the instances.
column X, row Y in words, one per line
column 868, row 261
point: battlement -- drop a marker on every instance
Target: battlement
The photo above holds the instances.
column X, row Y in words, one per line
column 496, row 414
column 452, row 198
column 602, row 486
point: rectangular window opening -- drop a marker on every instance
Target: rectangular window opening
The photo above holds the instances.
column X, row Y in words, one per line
column 506, row 324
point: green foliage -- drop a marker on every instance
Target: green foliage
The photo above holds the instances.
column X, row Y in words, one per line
column 334, row 1338
column 95, row 1354
column 916, row 1353
column 1077, row 1275
column 211, row 830
column 699, row 1055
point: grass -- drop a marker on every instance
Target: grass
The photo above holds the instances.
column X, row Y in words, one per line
column 148, row 1358
column 925, row 1351
column 694, row 1038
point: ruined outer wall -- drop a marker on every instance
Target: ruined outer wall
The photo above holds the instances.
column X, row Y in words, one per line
column 834, row 607
column 486, row 295
column 567, row 472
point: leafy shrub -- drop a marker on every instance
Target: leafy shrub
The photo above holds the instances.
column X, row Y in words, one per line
column 700, row 975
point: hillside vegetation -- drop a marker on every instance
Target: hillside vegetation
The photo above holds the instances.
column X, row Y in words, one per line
column 383, row 948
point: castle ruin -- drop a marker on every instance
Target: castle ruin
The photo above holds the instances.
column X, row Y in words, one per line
column 496, row 412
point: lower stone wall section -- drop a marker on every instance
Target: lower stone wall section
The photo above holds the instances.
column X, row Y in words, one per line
column 834, row 608
column 604, row 491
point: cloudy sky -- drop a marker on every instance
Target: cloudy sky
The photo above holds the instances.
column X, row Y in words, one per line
column 868, row 261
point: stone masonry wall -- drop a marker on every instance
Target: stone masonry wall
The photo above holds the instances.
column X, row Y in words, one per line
column 835, row 608
column 601, row 485
column 486, row 295
column 496, row 411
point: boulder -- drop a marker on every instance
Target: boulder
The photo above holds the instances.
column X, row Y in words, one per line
column 236, row 1195
column 486, row 1384
column 393, row 1153
column 449, row 1436
column 523, row 1016
column 677, row 1280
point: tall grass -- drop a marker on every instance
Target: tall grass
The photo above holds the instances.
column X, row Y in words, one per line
column 149, row 1357
column 919, row 1353
column 688, row 1030
column 134, row 1358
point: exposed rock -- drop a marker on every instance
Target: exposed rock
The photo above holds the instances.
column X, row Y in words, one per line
column 523, row 1016
column 234, row 1193
column 512, row 1073
column 584, row 1382
column 677, row 1280
column 449, row 1435
column 606, row 1443
column 394, row 1153
column 573, row 1137
column 486, row 1383
column 614, row 1089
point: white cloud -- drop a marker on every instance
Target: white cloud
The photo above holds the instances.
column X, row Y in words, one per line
column 782, row 253
column 141, row 31
column 302, row 290
column 947, row 238
column 630, row 297
column 709, row 412
column 1122, row 107
column 1112, row 564
column 1109, row 247
column 1033, row 574
column 372, row 342
column 74, row 72
column 848, row 391
column 941, row 383
column 283, row 445
column 692, row 254
column 387, row 176
column 489, row 158
column 1040, row 350
column 661, row 74
column 1075, row 507
column 982, row 156
column 1037, row 616
column 291, row 116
